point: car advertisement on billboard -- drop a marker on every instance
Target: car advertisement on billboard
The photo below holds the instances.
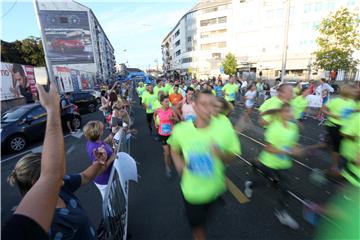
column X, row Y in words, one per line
column 67, row 36
column 17, row 81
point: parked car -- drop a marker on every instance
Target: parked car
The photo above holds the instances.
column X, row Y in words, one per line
column 85, row 101
column 26, row 123
column 96, row 94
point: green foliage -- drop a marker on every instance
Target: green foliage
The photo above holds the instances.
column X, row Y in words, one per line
column 28, row 51
column 229, row 64
column 337, row 41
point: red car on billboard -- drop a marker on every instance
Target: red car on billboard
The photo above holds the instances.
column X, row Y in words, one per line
column 67, row 45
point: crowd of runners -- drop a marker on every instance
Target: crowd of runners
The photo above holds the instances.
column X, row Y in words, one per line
column 191, row 120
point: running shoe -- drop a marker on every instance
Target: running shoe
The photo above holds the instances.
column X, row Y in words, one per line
column 248, row 190
column 286, row 219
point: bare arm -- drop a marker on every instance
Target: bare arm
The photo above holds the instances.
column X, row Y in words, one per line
column 40, row 202
column 178, row 161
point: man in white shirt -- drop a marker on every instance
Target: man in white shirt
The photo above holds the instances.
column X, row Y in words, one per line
column 323, row 86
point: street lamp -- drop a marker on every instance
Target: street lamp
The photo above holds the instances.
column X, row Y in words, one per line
column 286, row 35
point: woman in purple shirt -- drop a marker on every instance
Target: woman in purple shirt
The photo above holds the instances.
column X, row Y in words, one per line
column 93, row 132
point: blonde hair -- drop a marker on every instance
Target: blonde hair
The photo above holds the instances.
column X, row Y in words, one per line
column 346, row 91
column 93, row 130
column 26, row 172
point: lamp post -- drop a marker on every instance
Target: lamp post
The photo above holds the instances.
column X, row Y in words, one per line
column 286, row 36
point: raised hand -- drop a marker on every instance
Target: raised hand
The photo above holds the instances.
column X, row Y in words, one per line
column 49, row 100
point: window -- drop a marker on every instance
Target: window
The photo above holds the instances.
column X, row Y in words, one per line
column 204, row 35
column 188, row 39
column 207, row 22
column 178, row 53
column 189, row 49
column 177, row 33
column 216, row 55
column 242, row 1
column 177, row 43
column 208, row 10
column 212, row 33
column 318, row 7
column 209, row 46
column 222, row 19
column 307, row 8
column 222, row 45
column 37, row 113
column 186, row 60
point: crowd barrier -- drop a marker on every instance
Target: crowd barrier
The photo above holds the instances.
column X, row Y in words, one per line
column 115, row 204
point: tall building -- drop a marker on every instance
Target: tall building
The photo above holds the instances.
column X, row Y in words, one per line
column 75, row 39
column 253, row 30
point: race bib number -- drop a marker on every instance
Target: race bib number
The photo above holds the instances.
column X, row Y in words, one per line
column 166, row 128
column 150, row 106
column 283, row 156
column 232, row 95
column 201, row 164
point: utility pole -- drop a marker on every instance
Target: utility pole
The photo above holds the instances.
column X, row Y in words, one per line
column 286, row 36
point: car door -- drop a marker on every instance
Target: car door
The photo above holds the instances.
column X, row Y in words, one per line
column 35, row 123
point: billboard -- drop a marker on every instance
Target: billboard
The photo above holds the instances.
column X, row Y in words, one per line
column 64, row 79
column 67, row 36
column 17, row 81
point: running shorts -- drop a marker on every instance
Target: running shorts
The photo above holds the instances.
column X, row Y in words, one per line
column 163, row 139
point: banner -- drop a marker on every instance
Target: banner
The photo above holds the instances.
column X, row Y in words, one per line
column 63, row 78
column 17, row 81
column 67, row 36
column 87, row 80
column 76, row 81
column 314, row 101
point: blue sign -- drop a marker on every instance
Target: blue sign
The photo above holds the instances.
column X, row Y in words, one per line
column 222, row 70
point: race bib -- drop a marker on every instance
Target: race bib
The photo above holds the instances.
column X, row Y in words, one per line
column 201, row 164
column 232, row 95
column 150, row 106
column 283, row 156
column 345, row 113
column 166, row 128
column 190, row 118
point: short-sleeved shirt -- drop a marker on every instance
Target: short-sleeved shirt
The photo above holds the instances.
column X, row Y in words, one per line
column 351, row 127
column 271, row 103
column 283, row 138
column 299, row 104
column 175, row 98
column 341, row 107
column 203, row 179
column 71, row 222
column 230, row 91
column 150, row 100
column 250, row 95
column 103, row 178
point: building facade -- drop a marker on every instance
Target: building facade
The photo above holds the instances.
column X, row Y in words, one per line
column 101, row 53
column 253, row 30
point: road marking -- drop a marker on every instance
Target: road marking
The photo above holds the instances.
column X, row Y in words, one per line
column 236, row 192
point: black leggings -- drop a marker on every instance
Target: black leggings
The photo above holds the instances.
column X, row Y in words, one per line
column 149, row 119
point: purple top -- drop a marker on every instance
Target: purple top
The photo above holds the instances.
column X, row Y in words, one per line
column 103, row 178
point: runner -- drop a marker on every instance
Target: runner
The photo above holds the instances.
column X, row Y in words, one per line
column 149, row 102
column 229, row 91
column 175, row 97
column 165, row 123
column 284, row 96
column 274, row 161
column 158, row 87
column 140, row 90
column 184, row 108
column 337, row 111
column 300, row 103
column 249, row 98
column 197, row 158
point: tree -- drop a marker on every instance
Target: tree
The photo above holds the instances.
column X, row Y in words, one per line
column 28, row 51
column 338, row 39
column 229, row 64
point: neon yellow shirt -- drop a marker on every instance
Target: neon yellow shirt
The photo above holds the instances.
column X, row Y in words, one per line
column 271, row 103
column 282, row 138
column 150, row 101
column 299, row 104
column 351, row 149
column 340, row 107
column 203, row 178
column 156, row 91
column 140, row 90
column 296, row 91
column 143, row 95
column 230, row 91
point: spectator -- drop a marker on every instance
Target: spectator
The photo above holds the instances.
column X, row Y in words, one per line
column 175, row 97
column 323, row 86
column 33, row 216
column 67, row 111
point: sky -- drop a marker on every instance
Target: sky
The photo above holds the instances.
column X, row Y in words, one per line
column 139, row 26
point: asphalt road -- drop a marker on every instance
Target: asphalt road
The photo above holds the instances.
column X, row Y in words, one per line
column 156, row 209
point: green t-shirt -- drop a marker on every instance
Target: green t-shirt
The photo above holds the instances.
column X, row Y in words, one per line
column 230, row 91
column 226, row 137
column 283, row 138
column 299, row 104
column 340, row 107
column 143, row 96
column 296, row 91
column 150, row 101
column 156, row 91
column 351, row 149
column 271, row 103
column 203, row 178
column 344, row 211
column 140, row 90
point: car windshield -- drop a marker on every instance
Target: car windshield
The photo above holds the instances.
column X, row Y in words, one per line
column 14, row 115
